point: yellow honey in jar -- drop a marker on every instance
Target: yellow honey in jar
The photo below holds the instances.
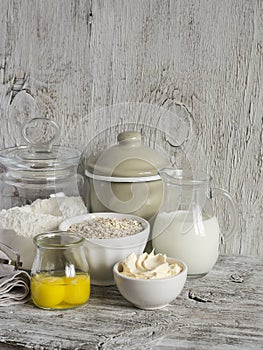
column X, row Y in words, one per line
column 60, row 292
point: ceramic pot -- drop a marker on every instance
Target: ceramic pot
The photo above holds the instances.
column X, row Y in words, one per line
column 125, row 179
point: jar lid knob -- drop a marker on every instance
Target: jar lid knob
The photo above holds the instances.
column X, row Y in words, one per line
column 40, row 127
column 129, row 136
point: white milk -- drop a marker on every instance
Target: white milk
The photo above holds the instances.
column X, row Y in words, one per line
column 195, row 242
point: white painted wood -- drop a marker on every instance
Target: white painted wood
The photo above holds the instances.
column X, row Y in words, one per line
column 232, row 319
column 67, row 59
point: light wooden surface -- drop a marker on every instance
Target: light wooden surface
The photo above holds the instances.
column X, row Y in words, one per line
column 231, row 319
column 201, row 60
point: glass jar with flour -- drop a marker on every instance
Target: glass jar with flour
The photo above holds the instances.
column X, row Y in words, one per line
column 39, row 186
column 186, row 226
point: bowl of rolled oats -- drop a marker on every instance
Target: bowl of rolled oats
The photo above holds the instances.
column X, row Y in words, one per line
column 110, row 237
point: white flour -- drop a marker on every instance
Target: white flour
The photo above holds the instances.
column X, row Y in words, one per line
column 19, row 225
column 41, row 216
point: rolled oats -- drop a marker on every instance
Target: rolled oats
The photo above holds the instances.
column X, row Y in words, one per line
column 101, row 227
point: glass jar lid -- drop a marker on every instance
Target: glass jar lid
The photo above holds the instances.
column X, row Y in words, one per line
column 129, row 158
column 39, row 156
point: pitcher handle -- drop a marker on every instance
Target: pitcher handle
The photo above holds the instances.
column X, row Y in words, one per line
column 233, row 222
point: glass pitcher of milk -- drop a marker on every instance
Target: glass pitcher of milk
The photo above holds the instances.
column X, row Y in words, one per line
column 186, row 226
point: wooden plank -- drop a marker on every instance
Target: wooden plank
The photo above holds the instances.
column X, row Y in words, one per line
column 68, row 59
column 231, row 320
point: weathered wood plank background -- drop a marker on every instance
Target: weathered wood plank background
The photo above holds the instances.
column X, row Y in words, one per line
column 69, row 59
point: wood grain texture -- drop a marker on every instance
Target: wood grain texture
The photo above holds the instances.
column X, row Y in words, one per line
column 232, row 319
column 96, row 65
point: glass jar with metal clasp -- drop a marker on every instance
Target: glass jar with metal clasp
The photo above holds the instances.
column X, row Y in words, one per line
column 39, row 186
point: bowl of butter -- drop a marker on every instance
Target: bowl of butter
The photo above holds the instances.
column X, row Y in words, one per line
column 150, row 281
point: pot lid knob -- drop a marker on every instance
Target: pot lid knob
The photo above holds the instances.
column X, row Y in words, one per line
column 129, row 136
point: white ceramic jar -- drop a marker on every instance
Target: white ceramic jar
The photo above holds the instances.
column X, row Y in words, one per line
column 125, row 179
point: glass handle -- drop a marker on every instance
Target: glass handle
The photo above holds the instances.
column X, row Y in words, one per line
column 233, row 216
column 36, row 124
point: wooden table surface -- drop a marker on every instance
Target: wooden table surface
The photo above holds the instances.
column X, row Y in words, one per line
column 211, row 313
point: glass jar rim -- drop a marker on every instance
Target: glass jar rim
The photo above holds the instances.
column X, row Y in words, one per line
column 58, row 240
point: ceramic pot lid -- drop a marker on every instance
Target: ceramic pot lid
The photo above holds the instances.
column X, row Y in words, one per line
column 39, row 156
column 129, row 158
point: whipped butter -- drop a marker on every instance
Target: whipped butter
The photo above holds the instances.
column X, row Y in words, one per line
column 148, row 266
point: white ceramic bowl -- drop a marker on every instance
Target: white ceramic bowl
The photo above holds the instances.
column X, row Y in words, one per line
column 150, row 294
column 102, row 254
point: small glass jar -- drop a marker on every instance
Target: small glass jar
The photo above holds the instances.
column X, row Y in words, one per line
column 60, row 273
